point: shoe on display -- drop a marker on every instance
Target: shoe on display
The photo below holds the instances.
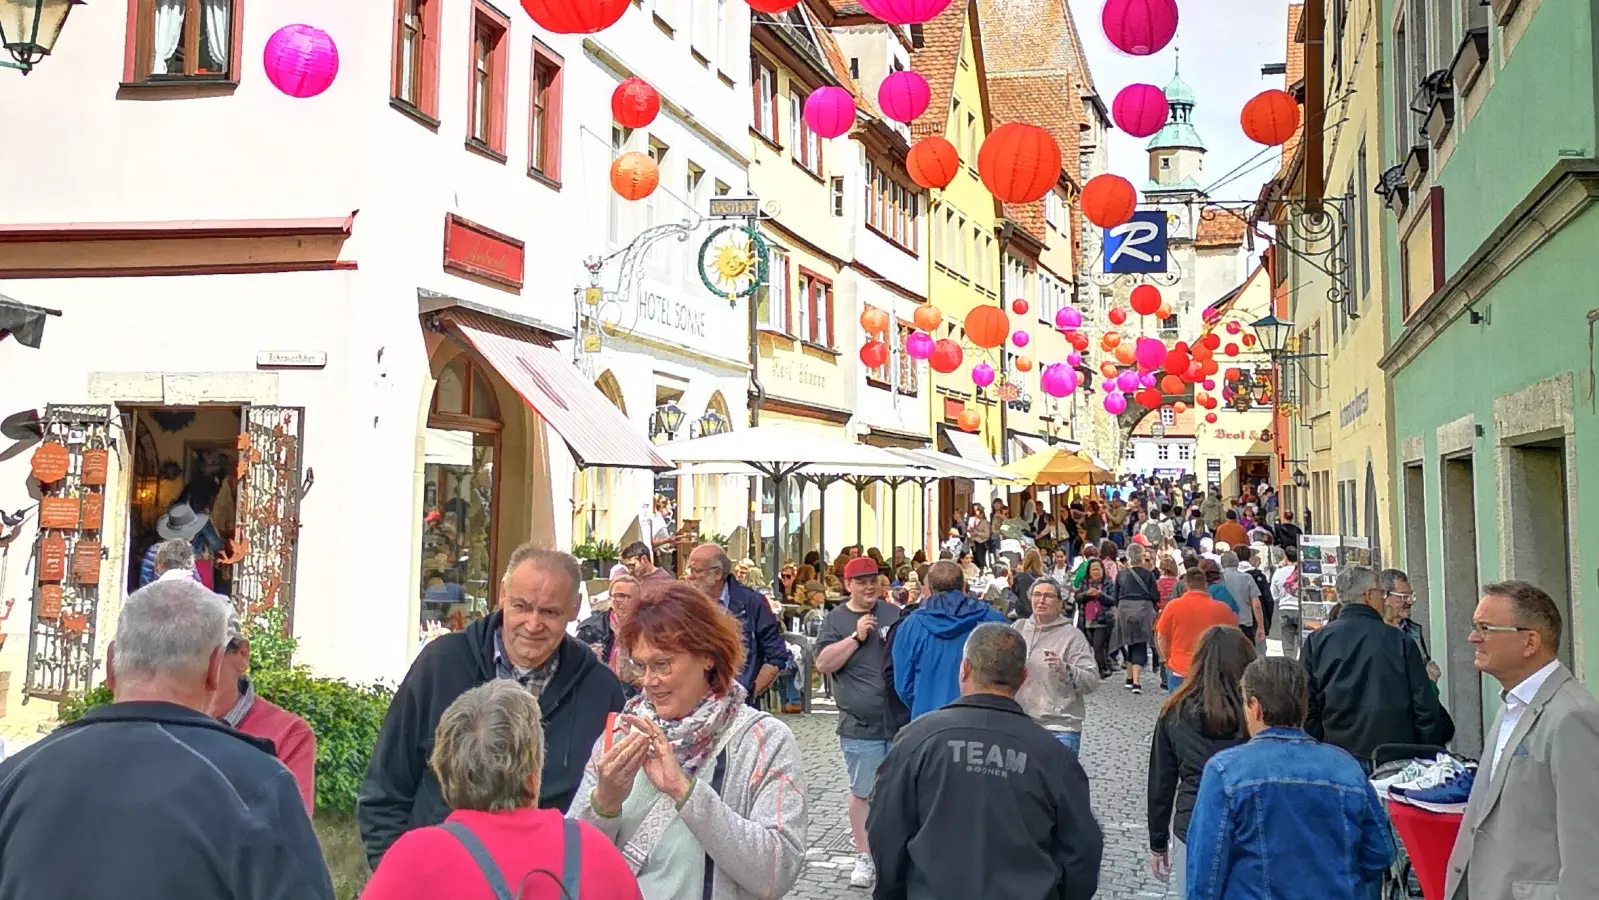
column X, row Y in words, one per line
column 865, row 873
column 1434, row 774
column 1450, row 796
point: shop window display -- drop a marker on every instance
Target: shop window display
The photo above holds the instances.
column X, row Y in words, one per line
column 461, row 446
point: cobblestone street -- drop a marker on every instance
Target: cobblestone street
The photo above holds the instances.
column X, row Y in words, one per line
column 1115, row 753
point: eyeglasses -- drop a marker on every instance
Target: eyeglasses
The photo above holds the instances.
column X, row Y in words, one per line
column 695, row 573
column 1483, row 629
column 1402, row 595
column 660, row 668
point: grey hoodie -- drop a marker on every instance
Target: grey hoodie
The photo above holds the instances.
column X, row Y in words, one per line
column 1055, row 701
column 755, row 831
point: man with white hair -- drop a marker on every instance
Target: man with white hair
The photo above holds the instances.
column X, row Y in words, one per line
column 168, row 801
column 1368, row 682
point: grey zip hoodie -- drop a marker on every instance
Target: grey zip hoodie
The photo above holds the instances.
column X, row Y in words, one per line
column 1055, row 701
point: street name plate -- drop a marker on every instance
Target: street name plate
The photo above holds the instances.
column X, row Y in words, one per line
column 735, row 207
column 291, row 359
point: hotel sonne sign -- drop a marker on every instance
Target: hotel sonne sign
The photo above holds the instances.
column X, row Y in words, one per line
column 483, row 253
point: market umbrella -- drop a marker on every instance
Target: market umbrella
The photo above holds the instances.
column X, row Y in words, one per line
column 24, row 322
column 1057, row 467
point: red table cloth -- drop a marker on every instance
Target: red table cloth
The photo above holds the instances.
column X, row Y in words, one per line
column 1428, row 838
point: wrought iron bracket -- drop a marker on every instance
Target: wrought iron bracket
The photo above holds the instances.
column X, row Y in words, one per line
column 1311, row 230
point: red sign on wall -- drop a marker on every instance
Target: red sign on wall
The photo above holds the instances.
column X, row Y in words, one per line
column 483, row 253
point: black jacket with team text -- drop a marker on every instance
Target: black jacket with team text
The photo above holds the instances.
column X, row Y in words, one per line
column 977, row 800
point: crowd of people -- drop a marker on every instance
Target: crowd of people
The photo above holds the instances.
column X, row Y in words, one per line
column 627, row 755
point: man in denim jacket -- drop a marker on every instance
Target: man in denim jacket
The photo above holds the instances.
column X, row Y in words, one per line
column 1284, row 817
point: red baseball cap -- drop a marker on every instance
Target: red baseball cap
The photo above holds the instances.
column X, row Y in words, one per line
column 859, row 567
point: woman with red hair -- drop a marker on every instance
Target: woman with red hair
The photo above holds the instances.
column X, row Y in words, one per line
column 696, row 788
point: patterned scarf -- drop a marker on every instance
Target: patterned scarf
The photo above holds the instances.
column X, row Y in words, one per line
column 696, row 735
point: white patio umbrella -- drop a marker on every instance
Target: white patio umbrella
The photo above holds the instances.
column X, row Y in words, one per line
column 778, row 451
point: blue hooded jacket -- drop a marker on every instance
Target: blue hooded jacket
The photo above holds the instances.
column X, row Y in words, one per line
column 927, row 649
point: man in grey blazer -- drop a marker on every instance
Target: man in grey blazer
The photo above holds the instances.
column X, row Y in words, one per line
column 1531, row 824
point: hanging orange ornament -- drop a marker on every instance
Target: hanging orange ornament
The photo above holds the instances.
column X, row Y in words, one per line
column 1125, row 354
column 933, row 163
column 969, row 420
column 1271, row 117
column 927, row 317
column 987, row 326
column 1024, row 364
column 634, row 176
column 874, row 320
column 1108, row 200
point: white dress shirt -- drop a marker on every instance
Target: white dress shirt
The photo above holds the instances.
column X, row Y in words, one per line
column 1516, row 700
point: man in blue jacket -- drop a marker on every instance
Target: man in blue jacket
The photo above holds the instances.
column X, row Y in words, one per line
column 150, row 798
column 927, row 646
column 765, row 651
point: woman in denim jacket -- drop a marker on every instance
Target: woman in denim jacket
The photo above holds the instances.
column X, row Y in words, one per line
column 1284, row 817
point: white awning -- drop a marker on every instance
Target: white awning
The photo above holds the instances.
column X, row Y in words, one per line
column 969, row 446
column 949, row 465
column 778, row 451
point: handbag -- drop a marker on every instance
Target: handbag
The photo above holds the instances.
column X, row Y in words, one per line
column 570, row 882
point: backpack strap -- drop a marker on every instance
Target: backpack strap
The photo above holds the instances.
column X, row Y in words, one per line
column 572, row 870
column 716, row 786
column 480, row 855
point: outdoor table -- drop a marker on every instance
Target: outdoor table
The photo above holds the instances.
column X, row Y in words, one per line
column 1428, row 838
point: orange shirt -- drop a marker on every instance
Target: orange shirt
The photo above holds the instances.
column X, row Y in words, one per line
column 1233, row 533
column 1184, row 621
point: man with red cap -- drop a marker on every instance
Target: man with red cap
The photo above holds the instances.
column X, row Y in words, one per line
column 852, row 647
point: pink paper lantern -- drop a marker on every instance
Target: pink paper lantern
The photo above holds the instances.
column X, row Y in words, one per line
column 830, row 111
column 982, row 374
column 919, row 345
column 1115, row 404
column 1210, row 315
column 904, row 95
column 1146, row 380
column 1150, row 353
column 1234, row 327
column 1127, row 381
column 1140, row 110
column 905, row 12
column 1074, row 359
column 1068, row 318
column 1209, row 385
column 1140, row 27
column 1020, row 338
column 301, row 61
column 1057, row 380
column 1109, row 386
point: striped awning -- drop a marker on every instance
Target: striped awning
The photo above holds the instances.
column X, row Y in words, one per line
column 597, row 433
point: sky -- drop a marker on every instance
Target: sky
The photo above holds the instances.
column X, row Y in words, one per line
column 1222, row 49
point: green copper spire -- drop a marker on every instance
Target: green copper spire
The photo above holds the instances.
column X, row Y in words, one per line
column 1179, row 132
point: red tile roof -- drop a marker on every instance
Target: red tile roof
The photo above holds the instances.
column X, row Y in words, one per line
column 937, row 60
column 1296, row 73
column 1221, row 230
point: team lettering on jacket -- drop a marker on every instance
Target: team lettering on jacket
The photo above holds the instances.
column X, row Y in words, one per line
column 989, row 759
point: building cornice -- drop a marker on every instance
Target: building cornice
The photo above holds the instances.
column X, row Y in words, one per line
column 1570, row 187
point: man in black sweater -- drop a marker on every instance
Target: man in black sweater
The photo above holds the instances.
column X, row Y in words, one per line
column 976, row 799
column 525, row 639
column 1368, row 681
column 150, row 798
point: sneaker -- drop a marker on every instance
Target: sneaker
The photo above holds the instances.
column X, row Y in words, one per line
column 865, row 873
column 1449, row 796
column 1138, row 688
column 1128, row 684
column 1433, row 775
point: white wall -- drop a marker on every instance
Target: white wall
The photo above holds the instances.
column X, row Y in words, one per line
column 1146, row 455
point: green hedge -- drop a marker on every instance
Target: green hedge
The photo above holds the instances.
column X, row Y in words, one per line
column 344, row 717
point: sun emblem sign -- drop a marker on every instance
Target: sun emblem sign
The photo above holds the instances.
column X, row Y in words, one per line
column 733, row 262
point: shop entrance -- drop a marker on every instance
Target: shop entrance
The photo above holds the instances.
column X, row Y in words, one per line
column 1252, row 470
column 460, row 449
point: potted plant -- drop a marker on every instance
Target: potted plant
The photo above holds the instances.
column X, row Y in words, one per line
column 585, row 556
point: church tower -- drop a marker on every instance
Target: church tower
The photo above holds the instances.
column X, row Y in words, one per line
column 1176, row 154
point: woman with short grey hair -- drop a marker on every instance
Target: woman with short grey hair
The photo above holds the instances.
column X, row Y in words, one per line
column 1136, row 591
column 488, row 754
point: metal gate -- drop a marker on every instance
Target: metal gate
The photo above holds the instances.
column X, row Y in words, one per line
column 67, row 553
column 267, row 529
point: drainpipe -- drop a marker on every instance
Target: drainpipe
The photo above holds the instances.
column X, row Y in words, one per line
column 757, row 397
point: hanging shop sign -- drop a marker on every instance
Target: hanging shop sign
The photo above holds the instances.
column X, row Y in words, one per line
column 1137, row 247
column 479, row 252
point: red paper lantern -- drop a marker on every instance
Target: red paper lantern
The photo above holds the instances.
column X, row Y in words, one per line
column 1212, row 340
column 773, row 7
column 987, row 326
column 874, row 354
column 1108, row 200
column 1117, row 316
column 1148, row 398
column 1231, row 375
column 1176, row 360
column 933, row 163
column 634, row 104
column 575, row 16
column 1140, row 27
column 1140, row 109
column 1249, row 340
column 1019, row 307
column 1145, row 299
column 969, row 420
column 1171, row 384
column 874, row 320
column 1230, row 349
column 903, row 96
column 634, row 176
column 1210, row 418
column 1019, row 163
column 1271, row 117
column 927, row 317
column 1078, row 340
column 946, row 357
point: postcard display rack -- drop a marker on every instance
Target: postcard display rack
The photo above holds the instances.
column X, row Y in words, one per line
column 1321, row 558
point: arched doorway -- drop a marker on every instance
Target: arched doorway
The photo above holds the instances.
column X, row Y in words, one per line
column 707, row 489
column 594, row 488
column 461, row 450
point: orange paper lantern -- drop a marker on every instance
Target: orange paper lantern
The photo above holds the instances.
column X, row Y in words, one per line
column 1125, row 354
column 1179, row 407
column 969, row 420
column 1164, row 311
column 1019, row 163
column 1271, row 117
column 933, row 163
column 1107, row 369
column 874, row 320
column 1024, row 364
column 1110, row 339
column 927, row 317
column 634, row 176
column 1171, row 384
column 987, row 326
column 1109, row 200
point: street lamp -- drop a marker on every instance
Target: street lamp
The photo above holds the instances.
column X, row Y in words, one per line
column 1273, row 334
column 29, row 28
column 668, row 417
column 711, row 423
column 1301, row 480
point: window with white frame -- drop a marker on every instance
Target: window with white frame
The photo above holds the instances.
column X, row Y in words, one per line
column 1185, row 452
column 1167, row 416
column 619, row 212
column 1162, row 452
column 815, row 300
column 771, row 301
column 695, row 187
column 763, row 85
column 1055, row 211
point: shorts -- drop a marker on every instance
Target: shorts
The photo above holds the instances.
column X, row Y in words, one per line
column 862, row 758
column 1072, row 739
column 1138, row 654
